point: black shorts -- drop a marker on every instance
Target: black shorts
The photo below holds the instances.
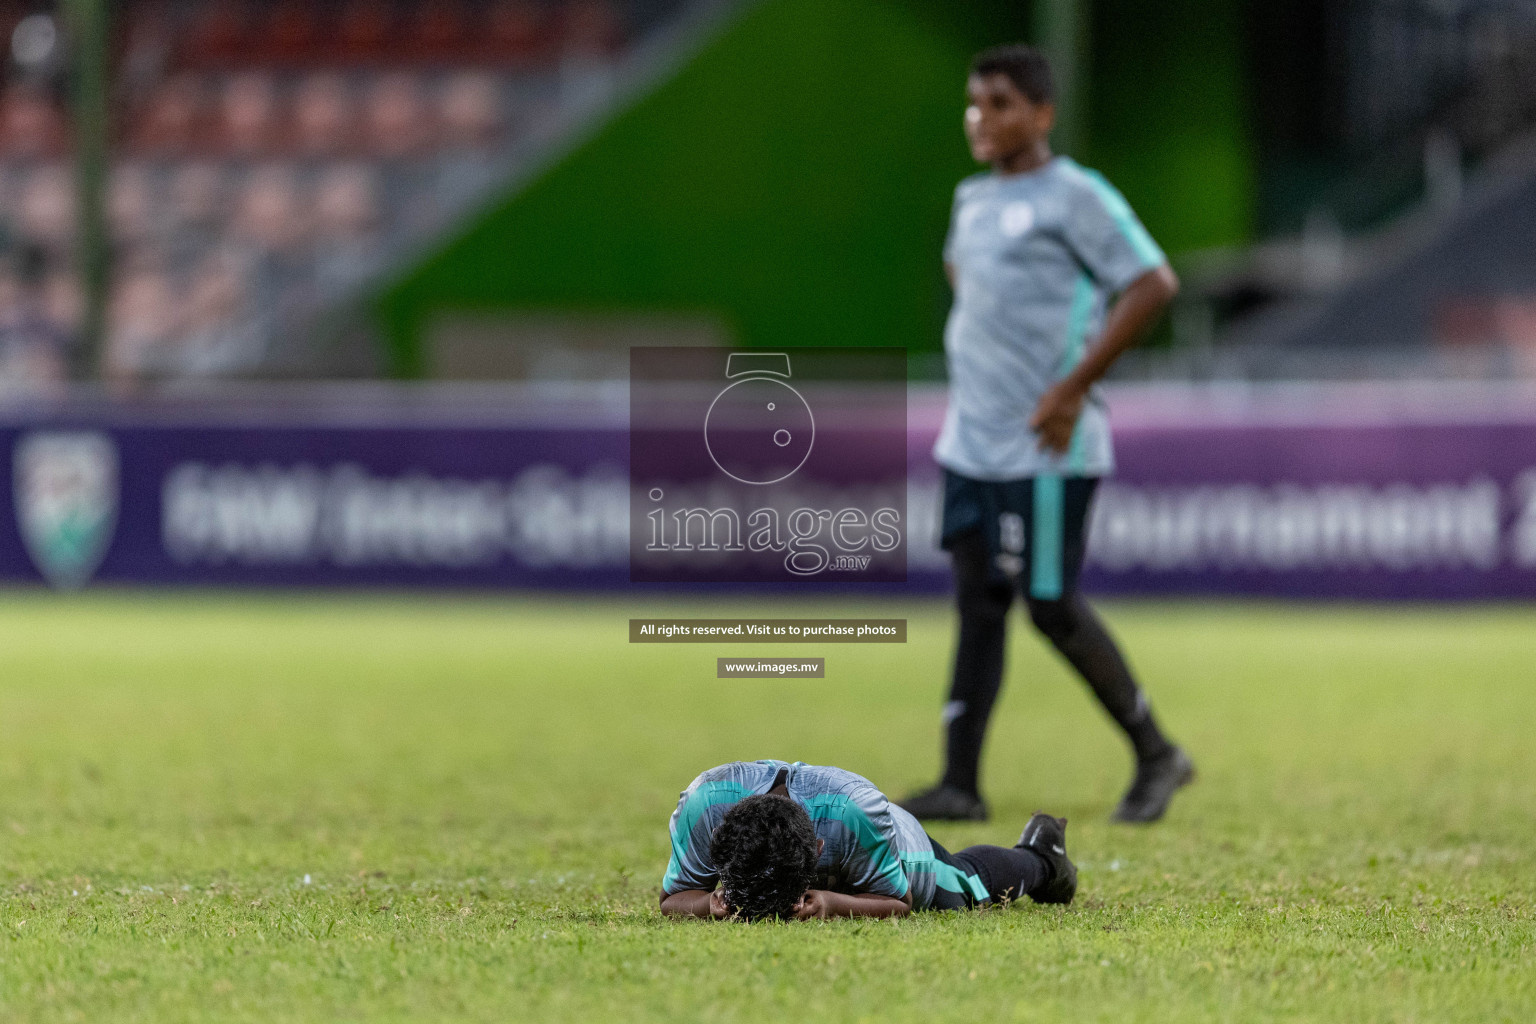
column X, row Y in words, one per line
column 957, row 882
column 1035, row 529
column 976, row 876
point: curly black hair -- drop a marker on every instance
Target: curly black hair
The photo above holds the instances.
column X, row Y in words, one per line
column 765, row 851
column 1026, row 67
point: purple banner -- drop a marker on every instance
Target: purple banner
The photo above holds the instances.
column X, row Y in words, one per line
column 1404, row 511
column 293, row 505
column 1273, row 495
column 1374, row 491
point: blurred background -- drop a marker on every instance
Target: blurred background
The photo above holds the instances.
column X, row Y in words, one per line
column 254, row 238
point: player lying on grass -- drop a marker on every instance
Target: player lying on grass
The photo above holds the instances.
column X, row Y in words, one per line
column 755, row 839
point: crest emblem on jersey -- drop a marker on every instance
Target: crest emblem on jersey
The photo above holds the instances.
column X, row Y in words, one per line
column 1017, row 218
column 65, row 488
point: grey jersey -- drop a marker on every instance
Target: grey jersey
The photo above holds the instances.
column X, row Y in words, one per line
column 1036, row 256
column 872, row 846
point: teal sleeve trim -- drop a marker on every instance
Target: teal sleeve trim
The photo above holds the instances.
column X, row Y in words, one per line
column 1120, row 211
column 1045, row 543
column 687, row 816
column 1078, row 315
column 673, row 873
column 837, row 807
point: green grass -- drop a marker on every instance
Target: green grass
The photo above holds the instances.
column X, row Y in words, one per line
column 477, row 791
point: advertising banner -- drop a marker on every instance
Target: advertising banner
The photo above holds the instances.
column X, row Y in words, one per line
column 1380, row 511
column 1378, row 506
column 286, row 504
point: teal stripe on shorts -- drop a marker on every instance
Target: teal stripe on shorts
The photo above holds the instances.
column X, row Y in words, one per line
column 1048, row 510
column 945, row 876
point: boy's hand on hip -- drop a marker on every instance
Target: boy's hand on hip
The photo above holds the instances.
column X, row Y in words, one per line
column 1056, row 416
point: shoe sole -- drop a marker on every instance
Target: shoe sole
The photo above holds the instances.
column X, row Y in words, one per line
column 1062, row 891
column 1184, row 779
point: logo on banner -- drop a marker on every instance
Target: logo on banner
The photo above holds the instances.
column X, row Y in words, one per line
column 66, row 494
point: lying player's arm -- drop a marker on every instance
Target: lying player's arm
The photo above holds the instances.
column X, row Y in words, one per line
column 817, row 903
column 695, row 903
column 1131, row 316
column 822, row 903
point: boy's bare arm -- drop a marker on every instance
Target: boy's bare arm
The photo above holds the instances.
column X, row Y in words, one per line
column 1133, row 313
column 817, row 903
column 694, row 903
column 820, row 903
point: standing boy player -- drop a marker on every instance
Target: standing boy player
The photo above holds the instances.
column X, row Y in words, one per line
column 1036, row 247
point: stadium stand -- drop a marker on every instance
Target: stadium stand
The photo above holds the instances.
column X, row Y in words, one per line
column 269, row 158
column 1414, row 262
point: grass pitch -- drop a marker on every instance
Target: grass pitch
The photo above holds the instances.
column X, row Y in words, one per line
column 299, row 808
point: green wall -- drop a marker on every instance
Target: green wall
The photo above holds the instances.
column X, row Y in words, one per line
column 1169, row 116
column 794, row 178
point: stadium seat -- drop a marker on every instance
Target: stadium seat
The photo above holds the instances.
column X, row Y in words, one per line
column 173, row 122
column 248, row 114
column 32, row 125
column 324, row 115
column 289, row 144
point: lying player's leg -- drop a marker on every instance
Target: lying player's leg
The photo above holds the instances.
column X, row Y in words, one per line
column 1037, row 867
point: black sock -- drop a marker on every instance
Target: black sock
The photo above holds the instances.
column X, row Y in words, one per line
column 1009, row 873
column 979, row 652
column 1073, row 627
